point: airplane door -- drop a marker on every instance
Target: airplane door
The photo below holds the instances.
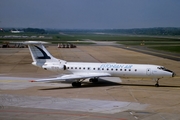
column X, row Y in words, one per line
column 64, row 67
column 148, row 71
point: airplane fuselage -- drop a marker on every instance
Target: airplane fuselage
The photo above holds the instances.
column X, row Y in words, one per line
column 114, row 69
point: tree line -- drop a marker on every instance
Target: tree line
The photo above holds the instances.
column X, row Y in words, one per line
column 149, row 31
column 26, row 30
column 136, row 31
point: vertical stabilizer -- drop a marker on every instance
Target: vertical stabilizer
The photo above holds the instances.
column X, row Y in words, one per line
column 39, row 53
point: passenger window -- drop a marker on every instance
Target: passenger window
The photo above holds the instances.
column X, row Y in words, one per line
column 71, row 67
column 112, row 69
column 98, row 68
column 102, row 68
column 80, row 68
column 135, row 69
column 116, row 69
column 107, row 69
column 124, row 69
column 129, row 69
column 93, row 68
column 120, row 69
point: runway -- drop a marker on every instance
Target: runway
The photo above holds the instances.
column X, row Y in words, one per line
column 141, row 49
column 126, row 99
column 73, row 104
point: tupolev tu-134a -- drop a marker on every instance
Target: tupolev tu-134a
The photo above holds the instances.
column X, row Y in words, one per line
column 77, row 72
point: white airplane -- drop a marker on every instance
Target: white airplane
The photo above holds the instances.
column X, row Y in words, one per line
column 77, row 72
column 16, row 31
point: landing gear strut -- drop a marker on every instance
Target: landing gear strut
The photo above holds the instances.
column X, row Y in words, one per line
column 157, row 82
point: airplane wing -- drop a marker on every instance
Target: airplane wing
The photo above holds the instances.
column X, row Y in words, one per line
column 73, row 77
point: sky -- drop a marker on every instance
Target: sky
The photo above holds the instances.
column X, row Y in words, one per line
column 89, row 14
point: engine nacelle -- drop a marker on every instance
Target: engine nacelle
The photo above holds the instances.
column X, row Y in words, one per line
column 53, row 67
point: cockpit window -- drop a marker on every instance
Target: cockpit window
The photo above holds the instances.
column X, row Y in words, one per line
column 163, row 68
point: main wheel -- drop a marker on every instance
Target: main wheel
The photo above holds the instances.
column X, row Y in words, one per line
column 76, row 84
column 93, row 80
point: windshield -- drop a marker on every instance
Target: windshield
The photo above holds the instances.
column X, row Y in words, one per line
column 163, row 68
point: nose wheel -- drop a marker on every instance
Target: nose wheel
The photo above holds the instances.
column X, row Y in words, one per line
column 157, row 85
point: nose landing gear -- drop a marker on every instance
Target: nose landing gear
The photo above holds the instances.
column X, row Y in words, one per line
column 157, row 82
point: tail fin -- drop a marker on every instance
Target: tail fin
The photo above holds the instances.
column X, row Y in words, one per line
column 39, row 53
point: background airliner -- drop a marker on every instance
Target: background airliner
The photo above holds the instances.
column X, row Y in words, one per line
column 77, row 72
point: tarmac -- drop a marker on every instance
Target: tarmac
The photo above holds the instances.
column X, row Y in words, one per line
column 115, row 99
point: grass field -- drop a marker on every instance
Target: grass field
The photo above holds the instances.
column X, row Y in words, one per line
column 148, row 43
column 115, row 38
column 175, row 49
column 160, row 43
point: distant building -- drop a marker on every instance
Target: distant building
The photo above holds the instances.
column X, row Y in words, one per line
column 16, row 31
column 41, row 36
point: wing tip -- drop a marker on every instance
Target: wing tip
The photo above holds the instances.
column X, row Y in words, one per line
column 32, row 81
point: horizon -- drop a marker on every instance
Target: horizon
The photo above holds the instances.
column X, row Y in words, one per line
column 84, row 28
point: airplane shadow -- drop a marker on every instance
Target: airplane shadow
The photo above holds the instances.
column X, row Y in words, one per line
column 86, row 85
column 108, row 83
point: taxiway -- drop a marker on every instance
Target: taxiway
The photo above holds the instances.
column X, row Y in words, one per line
column 127, row 100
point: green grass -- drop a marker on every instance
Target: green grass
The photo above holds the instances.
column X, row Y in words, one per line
column 97, row 37
column 121, row 38
column 175, row 49
column 148, row 42
column 165, row 44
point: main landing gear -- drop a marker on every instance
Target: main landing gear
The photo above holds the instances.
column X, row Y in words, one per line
column 76, row 84
column 93, row 80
